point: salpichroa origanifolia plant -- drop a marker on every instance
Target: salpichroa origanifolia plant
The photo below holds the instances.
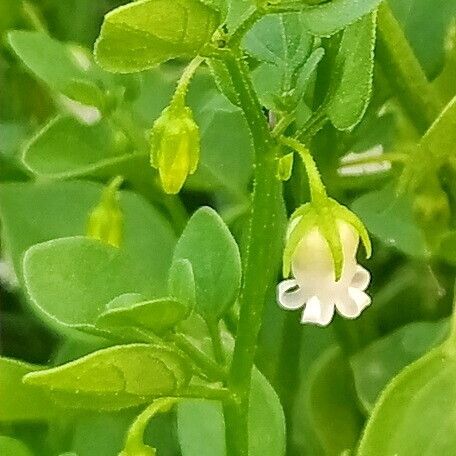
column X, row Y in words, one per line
column 145, row 225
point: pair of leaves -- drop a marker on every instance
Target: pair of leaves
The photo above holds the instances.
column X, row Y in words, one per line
column 115, row 378
column 201, row 425
column 283, row 46
column 208, row 245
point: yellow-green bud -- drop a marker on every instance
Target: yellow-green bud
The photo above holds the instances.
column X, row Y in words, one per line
column 175, row 146
column 105, row 221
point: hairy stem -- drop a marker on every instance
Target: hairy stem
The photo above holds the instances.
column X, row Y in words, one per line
column 259, row 267
column 404, row 72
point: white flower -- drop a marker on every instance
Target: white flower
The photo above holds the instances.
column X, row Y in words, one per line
column 314, row 286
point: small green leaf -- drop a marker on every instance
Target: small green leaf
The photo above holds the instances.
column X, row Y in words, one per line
column 158, row 315
column 337, row 426
column 352, row 78
column 21, row 402
column 71, row 280
column 415, row 413
column 142, row 34
column 374, row 366
column 223, row 80
column 115, row 377
column 390, row 218
column 201, row 428
column 330, row 17
column 65, row 148
column 13, row 447
column 211, row 249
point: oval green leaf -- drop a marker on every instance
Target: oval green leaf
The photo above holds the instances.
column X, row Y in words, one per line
column 115, row 377
column 142, row 34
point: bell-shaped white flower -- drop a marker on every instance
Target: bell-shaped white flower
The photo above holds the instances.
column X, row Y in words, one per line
column 315, row 286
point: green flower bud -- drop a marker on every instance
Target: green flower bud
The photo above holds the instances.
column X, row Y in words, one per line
column 175, row 146
column 106, row 219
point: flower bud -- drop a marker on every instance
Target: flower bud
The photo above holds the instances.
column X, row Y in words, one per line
column 106, row 219
column 175, row 146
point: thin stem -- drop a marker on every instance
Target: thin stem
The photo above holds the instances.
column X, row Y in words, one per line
column 184, row 81
column 404, row 72
column 317, row 188
column 135, row 443
column 217, row 345
column 260, row 266
column 207, row 365
column 236, row 37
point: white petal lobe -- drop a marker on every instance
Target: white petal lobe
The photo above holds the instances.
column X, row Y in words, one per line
column 287, row 297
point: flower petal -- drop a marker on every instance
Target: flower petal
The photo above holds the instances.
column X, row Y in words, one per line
column 355, row 302
column 288, row 297
column 317, row 312
column 361, row 278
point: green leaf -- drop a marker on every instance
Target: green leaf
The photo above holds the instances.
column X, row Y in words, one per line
column 40, row 54
column 332, row 405
column 267, row 433
column 21, row 402
column 211, row 249
column 13, row 447
column 36, row 212
column 65, row 148
column 201, row 428
column 415, row 413
column 330, row 17
column 226, row 149
column 201, row 424
column 352, row 78
column 115, row 377
column 377, row 364
column 439, row 141
column 181, row 282
column 142, row 34
column 71, row 280
column 158, row 315
column 390, row 218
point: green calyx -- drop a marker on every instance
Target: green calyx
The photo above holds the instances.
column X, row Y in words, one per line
column 324, row 217
column 105, row 221
column 175, row 146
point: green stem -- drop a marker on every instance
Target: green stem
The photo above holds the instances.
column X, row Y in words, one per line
column 317, row 188
column 404, row 72
column 135, row 443
column 184, row 81
column 259, row 267
column 209, row 367
column 217, row 346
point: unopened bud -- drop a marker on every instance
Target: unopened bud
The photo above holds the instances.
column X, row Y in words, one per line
column 106, row 219
column 175, row 146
